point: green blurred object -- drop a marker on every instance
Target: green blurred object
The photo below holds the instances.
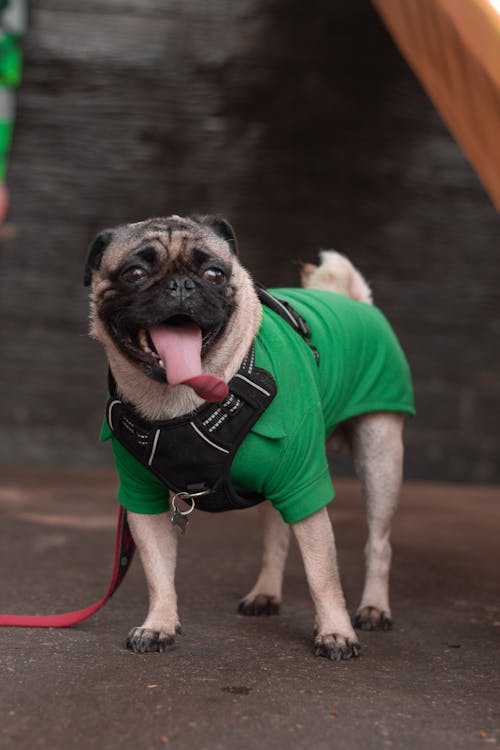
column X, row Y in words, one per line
column 10, row 61
column 6, row 128
column 13, row 21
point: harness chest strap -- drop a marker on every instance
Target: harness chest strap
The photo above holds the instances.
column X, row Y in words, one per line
column 194, row 453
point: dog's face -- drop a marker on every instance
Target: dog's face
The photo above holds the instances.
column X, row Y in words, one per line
column 164, row 292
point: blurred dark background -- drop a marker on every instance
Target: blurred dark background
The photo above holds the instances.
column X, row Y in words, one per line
column 300, row 123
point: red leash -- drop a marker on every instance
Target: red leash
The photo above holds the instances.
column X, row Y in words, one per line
column 124, row 552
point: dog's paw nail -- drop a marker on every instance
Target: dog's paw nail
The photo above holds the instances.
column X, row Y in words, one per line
column 372, row 618
column 143, row 640
column 336, row 647
column 260, row 605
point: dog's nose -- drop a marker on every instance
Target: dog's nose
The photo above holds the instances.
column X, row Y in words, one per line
column 180, row 286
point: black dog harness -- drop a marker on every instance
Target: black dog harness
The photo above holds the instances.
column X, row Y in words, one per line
column 192, row 455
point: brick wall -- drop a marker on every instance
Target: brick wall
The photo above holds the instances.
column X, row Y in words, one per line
column 306, row 131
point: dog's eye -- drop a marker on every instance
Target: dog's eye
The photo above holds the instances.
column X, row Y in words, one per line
column 214, row 276
column 133, row 274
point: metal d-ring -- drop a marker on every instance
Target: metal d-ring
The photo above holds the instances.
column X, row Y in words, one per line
column 187, row 496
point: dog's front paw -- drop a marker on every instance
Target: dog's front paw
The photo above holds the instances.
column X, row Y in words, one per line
column 372, row 618
column 336, row 647
column 259, row 605
column 142, row 640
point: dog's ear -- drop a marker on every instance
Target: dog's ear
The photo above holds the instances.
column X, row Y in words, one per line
column 221, row 227
column 95, row 253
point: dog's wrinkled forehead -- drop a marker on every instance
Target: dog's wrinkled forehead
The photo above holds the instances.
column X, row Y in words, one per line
column 171, row 237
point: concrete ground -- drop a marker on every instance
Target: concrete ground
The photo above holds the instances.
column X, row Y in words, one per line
column 236, row 682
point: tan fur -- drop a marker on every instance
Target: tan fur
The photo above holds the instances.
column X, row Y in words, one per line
column 336, row 274
column 269, row 584
column 317, row 545
column 156, row 540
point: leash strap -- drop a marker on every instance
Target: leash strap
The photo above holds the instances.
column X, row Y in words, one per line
column 124, row 553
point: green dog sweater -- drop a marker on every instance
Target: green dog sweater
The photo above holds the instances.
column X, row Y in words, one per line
column 283, row 458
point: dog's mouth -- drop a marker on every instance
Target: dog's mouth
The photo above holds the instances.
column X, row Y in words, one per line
column 172, row 351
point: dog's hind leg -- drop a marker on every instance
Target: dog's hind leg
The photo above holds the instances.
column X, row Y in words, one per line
column 265, row 597
column 377, row 449
column 156, row 540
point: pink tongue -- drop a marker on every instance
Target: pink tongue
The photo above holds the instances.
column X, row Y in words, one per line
column 180, row 349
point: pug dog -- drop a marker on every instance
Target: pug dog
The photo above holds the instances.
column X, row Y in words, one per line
column 177, row 315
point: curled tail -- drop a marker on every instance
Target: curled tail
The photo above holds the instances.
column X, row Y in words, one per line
column 336, row 273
